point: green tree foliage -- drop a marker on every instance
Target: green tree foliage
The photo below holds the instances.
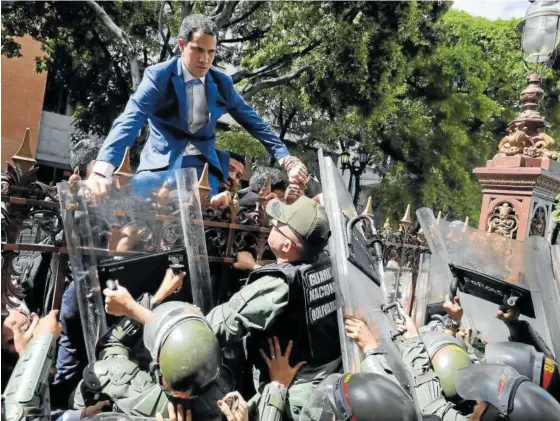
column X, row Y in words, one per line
column 556, row 212
column 86, row 65
column 238, row 140
column 452, row 114
column 429, row 91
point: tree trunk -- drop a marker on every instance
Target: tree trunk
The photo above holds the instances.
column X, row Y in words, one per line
column 122, row 37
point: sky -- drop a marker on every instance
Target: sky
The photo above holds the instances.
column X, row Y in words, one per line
column 493, row 9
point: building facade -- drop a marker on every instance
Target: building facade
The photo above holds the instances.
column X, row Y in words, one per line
column 23, row 92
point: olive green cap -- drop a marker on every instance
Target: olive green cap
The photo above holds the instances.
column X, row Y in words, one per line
column 306, row 218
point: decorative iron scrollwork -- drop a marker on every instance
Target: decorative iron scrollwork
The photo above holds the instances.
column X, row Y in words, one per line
column 538, row 223
column 504, row 221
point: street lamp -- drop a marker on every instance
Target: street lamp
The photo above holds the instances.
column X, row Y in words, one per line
column 345, row 160
column 363, row 157
column 359, row 164
column 541, row 32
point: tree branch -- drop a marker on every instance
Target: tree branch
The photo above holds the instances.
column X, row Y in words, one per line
column 287, row 123
column 106, row 52
column 225, row 16
column 277, row 81
column 165, row 47
column 397, row 154
column 255, row 35
column 122, row 37
column 185, row 8
column 275, row 65
column 256, row 6
column 217, row 10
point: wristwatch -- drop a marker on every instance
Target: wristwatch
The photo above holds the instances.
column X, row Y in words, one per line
column 453, row 325
column 374, row 351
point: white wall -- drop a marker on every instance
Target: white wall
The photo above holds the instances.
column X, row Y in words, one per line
column 53, row 145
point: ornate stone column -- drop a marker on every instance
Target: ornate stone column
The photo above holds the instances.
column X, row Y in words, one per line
column 522, row 180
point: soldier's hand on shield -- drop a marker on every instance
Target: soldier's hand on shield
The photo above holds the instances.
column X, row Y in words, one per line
column 453, row 308
column 245, row 261
column 22, row 328
column 409, row 327
column 279, row 367
column 178, row 414
column 48, row 325
column 464, row 333
column 118, row 302
column 99, row 186
column 221, row 200
column 509, row 316
column 359, row 332
column 234, row 407
column 171, row 283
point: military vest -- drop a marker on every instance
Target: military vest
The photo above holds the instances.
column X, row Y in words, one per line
column 309, row 319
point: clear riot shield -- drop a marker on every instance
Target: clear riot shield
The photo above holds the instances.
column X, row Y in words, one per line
column 490, row 272
column 434, row 280
column 538, row 274
column 358, row 271
column 132, row 235
column 195, row 240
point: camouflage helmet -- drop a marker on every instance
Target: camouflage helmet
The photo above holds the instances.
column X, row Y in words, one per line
column 540, row 369
column 186, row 355
column 447, row 356
column 359, row 397
column 508, row 395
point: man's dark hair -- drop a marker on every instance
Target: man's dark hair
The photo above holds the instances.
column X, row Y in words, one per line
column 278, row 180
column 197, row 23
column 237, row 157
column 83, row 152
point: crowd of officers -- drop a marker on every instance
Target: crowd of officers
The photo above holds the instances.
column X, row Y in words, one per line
column 169, row 361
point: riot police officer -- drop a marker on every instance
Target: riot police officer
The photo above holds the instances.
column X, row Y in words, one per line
column 359, row 397
column 447, row 356
column 428, row 389
column 522, row 331
column 186, row 362
column 294, row 298
column 27, row 393
column 541, row 370
column 503, row 394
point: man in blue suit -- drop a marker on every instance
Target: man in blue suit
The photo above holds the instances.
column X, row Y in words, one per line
column 182, row 100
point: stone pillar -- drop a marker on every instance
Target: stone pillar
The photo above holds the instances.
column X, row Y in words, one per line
column 522, row 180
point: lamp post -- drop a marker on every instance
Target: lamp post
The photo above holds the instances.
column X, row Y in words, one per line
column 526, row 152
column 344, row 160
column 356, row 165
column 541, row 32
column 359, row 164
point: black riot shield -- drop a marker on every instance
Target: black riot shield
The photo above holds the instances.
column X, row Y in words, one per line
column 490, row 272
column 132, row 235
column 358, row 271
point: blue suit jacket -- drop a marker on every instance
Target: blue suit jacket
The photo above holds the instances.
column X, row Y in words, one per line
column 161, row 99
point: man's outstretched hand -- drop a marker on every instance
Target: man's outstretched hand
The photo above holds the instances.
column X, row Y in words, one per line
column 297, row 171
column 99, row 186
